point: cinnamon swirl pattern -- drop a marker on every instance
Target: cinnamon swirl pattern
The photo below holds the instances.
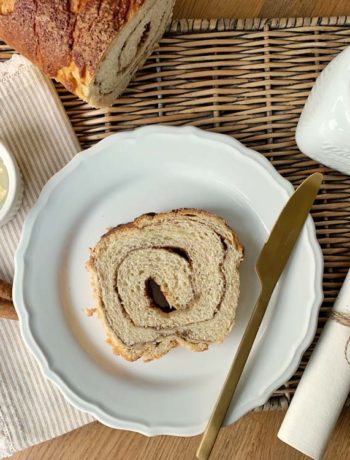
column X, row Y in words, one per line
column 164, row 280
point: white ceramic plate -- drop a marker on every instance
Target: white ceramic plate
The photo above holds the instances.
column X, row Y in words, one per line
column 155, row 169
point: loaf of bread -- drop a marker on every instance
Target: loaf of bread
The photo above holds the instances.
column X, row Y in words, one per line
column 164, row 280
column 93, row 47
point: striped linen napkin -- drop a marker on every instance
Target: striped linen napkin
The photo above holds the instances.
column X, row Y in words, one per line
column 34, row 125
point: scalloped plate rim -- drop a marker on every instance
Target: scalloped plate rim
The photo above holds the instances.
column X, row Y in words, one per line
column 29, row 338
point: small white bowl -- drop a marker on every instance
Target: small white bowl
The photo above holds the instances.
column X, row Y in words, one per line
column 14, row 196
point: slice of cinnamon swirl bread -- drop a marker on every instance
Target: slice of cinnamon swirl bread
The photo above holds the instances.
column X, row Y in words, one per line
column 164, row 280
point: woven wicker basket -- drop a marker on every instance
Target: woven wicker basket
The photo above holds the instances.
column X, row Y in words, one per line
column 249, row 79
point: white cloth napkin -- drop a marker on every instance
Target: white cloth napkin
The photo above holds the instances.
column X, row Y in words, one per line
column 323, row 389
column 34, row 125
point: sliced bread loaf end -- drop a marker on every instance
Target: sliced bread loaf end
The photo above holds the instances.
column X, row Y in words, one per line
column 92, row 47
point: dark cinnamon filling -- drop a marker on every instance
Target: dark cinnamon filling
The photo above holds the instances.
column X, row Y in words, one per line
column 156, row 296
column 179, row 251
column 145, row 34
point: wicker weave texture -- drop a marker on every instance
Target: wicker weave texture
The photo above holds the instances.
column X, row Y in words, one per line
column 248, row 79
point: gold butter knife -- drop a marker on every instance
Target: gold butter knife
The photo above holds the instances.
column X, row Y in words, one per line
column 271, row 262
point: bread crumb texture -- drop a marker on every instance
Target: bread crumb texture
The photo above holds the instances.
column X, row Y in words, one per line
column 165, row 280
column 90, row 311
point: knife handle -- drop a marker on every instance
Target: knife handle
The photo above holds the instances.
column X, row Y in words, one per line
column 7, row 309
column 234, row 374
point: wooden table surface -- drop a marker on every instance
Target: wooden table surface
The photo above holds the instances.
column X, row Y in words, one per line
column 254, row 436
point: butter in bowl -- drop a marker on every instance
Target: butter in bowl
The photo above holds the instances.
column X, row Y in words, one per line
column 11, row 186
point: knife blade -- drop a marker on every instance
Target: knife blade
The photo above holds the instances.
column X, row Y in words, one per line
column 271, row 262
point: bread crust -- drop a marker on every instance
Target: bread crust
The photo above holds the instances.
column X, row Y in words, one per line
column 68, row 40
column 150, row 350
column 55, row 33
column 139, row 221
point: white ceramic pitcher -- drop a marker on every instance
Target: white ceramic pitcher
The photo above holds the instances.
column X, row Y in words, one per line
column 323, row 131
